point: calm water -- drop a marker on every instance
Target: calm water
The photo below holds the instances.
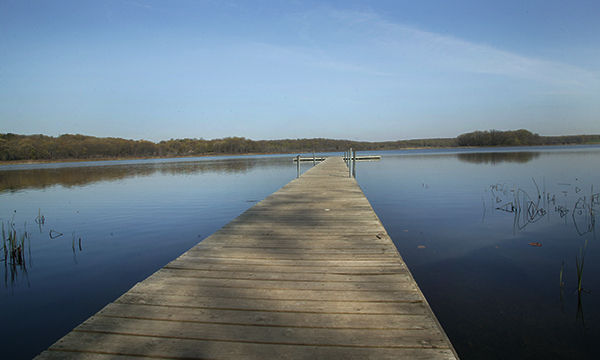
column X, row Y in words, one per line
column 450, row 213
column 462, row 220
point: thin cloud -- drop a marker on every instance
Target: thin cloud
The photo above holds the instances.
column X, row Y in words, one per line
column 306, row 57
column 398, row 48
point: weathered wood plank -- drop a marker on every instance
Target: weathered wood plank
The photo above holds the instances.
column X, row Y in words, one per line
column 298, row 263
column 280, row 244
column 285, row 276
column 277, row 305
column 268, row 334
column 282, row 284
column 307, row 273
column 70, row 355
column 187, row 263
column 295, row 253
column 276, row 294
column 300, row 240
column 273, row 318
column 175, row 348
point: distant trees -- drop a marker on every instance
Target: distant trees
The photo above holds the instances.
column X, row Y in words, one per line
column 41, row 147
column 572, row 139
column 521, row 137
column 67, row 147
column 499, row 138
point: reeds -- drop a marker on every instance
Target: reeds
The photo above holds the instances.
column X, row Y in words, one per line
column 4, row 241
column 13, row 246
column 580, row 267
column 40, row 219
column 580, row 314
column 561, row 283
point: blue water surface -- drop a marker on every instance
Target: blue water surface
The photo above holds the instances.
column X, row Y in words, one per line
column 462, row 219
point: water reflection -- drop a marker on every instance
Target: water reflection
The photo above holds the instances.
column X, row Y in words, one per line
column 498, row 157
column 528, row 209
column 584, row 214
column 120, row 222
column 13, row 178
column 72, row 175
column 496, row 293
column 16, row 244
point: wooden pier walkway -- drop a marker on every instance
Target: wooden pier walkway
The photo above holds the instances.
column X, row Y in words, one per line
column 307, row 273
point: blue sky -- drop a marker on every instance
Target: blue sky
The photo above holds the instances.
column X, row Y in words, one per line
column 359, row 70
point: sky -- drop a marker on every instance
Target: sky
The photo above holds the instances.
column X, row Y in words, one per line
column 358, row 70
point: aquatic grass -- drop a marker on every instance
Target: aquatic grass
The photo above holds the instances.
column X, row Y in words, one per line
column 580, row 314
column 73, row 246
column 73, row 242
column 561, row 283
column 40, row 219
column 580, row 267
column 9, row 243
column 4, row 241
column 13, row 246
column 14, row 252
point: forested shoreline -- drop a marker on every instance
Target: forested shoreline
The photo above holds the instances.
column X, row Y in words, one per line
column 67, row 147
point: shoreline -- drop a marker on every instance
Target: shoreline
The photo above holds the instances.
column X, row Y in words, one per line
column 59, row 161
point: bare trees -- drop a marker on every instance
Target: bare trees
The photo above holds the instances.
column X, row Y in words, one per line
column 67, row 146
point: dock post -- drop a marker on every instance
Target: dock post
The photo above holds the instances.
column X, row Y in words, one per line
column 346, row 158
column 354, row 164
column 314, row 160
column 349, row 162
column 298, row 166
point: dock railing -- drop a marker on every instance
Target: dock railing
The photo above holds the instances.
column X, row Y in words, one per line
column 350, row 158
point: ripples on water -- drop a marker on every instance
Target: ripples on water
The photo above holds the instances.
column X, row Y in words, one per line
column 463, row 220
column 467, row 224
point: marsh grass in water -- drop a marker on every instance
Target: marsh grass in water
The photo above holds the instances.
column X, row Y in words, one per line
column 73, row 247
column 40, row 219
column 580, row 314
column 579, row 264
column 580, row 268
column 494, row 294
column 13, row 246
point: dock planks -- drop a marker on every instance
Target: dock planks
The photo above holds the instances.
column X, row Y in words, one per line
column 307, row 273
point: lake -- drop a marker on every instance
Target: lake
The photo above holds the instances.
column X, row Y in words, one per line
column 494, row 238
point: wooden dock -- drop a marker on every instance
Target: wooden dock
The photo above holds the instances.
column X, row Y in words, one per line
column 322, row 158
column 316, row 158
column 363, row 157
column 307, row 273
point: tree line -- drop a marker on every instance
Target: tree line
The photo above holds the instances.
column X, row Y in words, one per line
column 14, row 147
column 521, row 137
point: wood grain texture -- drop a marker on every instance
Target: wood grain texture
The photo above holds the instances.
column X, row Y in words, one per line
column 307, row 273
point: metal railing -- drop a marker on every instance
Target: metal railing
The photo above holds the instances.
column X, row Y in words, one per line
column 350, row 158
column 298, row 163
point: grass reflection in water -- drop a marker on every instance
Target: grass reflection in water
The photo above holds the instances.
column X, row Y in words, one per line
column 491, row 279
